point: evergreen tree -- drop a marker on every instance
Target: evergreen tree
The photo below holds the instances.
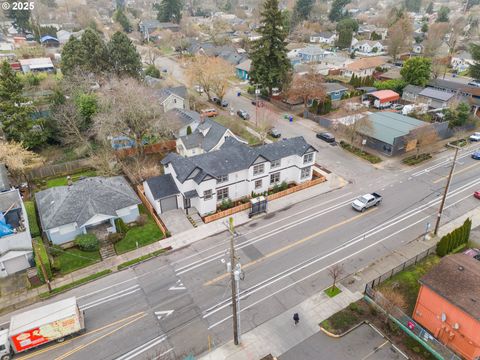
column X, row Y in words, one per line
column 270, row 64
column 345, row 29
column 95, row 52
column 302, row 10
column 169, row 10
column 15, row 113
column 122, row 19
column 124, row 57
column 429, row 9
column 72, row 56
column 337, row 10
column 474, row 70
column 443, row 14
column 21, row 18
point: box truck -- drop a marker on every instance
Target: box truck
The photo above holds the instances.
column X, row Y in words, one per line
column 52, row 322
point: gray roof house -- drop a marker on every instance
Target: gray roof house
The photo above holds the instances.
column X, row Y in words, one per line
column 173, row 98
column 15, row 241
column 232, row 172
column 68, row 211
column 206, row 135
column 410, row 92
column 436, row 99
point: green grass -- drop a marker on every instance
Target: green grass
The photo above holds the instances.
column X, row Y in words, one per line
column 406, row 282
column 459, row 142
column 238, row 128
column 140, row 259
column 332, row 291
column 141, row 235
column 343, row 320
column 62, row 181
column 74, row 284
column 41, row 254
column 414, row 159
column 418, row 348
column 74, row 259
column 32, row 218
column 360, row 153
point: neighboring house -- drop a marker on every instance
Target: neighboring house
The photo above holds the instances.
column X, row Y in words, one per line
column 391, row 74
column 418, row 48
column 447, row 304
column 367, row 31
column 335, row 90
column 227, row 52
column 207, row 135
column 4, row 181
column 68, row 211
column 63, row 35
column 462, row 61
column 332, row 64
column 173, row 98
column 36, row 65
column 410, row 93
column 146, row 27
column 185, row 118
column 436, row 99
column 466, row 93
column 49, row 41
column 364, row 67
column 233, row 172
column 369, row 47
column 324, row 37
column 15, row 241
column 243, row 69
column 390, row 132
column 311, row 54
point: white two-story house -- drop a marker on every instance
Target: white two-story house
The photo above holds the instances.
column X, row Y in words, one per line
column 232, row 172
column 369, row 48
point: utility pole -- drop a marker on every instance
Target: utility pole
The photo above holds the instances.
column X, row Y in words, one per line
column 442, row 203
column 233, row 282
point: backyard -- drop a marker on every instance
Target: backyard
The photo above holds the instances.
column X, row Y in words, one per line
column 238, row 128
column 43, row 184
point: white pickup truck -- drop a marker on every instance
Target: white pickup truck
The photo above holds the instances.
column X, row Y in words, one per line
column 366, row 201
column 475, row 136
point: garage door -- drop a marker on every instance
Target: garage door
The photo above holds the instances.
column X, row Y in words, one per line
column 169, row 203
column 16, row 264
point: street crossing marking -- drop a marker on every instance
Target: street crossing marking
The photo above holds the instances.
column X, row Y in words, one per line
column 164, row 313
column 178, row 286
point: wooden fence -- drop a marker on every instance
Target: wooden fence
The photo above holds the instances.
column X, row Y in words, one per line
column 158, row 148
column 319, row 178
column 58, row 169
column 151, row 210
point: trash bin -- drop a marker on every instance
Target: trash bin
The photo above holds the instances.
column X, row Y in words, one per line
column 239, row 93
column 291, row 118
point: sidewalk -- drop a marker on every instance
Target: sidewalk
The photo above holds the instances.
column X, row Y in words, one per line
column 278, row 335
column 9, row 302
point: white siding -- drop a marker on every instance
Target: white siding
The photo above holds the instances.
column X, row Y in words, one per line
column 173, row 102
column 150, row 198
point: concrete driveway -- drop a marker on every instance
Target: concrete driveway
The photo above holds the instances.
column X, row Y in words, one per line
column 362, row 343
column 176, row 221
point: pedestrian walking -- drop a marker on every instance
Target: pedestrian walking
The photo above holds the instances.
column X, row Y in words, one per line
column 296, row 318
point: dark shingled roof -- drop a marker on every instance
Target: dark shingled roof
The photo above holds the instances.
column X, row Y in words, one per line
column 457, row 279
column 162, row 186
column 84, row 199
column 231, row 157
column 214, row 133
column 164, row 93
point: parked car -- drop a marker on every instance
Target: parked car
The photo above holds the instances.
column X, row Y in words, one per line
column 476, row 155
column 477, row 194
column 209, row 112
column 474, row 83
column 398, row 107
column 243, row 114
column 326, row 136
column 222, row 103
column 275, row 133
column 367, row 201
column 475, row 136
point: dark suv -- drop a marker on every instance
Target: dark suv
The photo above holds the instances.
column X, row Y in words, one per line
column 325, row 136
column 219, row 102
column 243, row 114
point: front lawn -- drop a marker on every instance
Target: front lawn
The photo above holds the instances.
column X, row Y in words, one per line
column 73, row 259
column 139, row 235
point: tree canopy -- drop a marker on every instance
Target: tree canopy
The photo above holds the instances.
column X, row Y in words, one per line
column 270, row 64
column 345, row 30
column 442, row 15
column 124, row 58
column 417, row 71
column 337, row 11
column 120, row 17
column 458, row 116
column 169, row 11
column 475, row 68
column 302, row 10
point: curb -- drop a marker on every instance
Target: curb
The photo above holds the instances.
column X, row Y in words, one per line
column 336, row 336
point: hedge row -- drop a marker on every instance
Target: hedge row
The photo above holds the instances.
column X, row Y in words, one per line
column 454, row 239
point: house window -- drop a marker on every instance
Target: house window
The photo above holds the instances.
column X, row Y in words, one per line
column 207, row 194
column 258, row 169
column 274, row 178
column 222, row 179
column 275, row 164
column 222, row 194
column 305, row 173
column 258, row 184
column 308, row 158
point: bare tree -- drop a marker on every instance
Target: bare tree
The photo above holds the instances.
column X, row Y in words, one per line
column 390, row 301
column 399, row 36
column 264, row 123
column 150, row 54
column 18, row 159
column 356, row 127
column 335, row 272
column 307, row 87
column 423, row 137
column 436, row 34
column 136, row 117
column 71, row 126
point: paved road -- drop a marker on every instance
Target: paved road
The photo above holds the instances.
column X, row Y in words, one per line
column 179, row 303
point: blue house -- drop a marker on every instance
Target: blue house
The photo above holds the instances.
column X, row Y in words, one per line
column 243, row 69
column 48, row 40
column 311, row 54
column 335, row 90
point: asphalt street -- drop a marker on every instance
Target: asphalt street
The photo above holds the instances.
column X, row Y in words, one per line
column 179, row 303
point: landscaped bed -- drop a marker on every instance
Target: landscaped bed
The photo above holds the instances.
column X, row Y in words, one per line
column 416, row 159
column 360, row 153
column 139, row 235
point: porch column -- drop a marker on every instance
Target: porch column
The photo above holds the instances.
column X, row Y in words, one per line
column 112, row 222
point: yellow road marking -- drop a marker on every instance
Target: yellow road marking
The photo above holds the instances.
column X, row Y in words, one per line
column 78, row 348
column 52, row 347
column 456, row 172
column 289, row 246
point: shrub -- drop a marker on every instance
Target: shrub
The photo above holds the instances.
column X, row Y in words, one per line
column 454, row 239
column 152, row 71
column 283, row 186
column 87, row 242
column 225, row 204
column 121, row 226
column 115, row 237
column 142, row 219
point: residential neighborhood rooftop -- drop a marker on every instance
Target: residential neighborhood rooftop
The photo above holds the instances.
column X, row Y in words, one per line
column 366, row 63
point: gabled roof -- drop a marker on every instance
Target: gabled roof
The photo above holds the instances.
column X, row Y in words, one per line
column 84, row 199
column 312, row 50
column 412, row 89
column 457, row 279
column 436, row 94
column 162, row 186
column 186, row 117
column 332, row 87
column 245, row 65
column 165, row 93
column 385, row 95
column 366, row 63
column 10, row 200
column 214, row 133
column 231, row 157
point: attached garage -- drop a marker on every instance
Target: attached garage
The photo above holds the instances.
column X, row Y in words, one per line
column 162, row 193
column 169, row 203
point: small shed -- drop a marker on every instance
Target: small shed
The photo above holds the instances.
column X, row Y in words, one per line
column 383, row 98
